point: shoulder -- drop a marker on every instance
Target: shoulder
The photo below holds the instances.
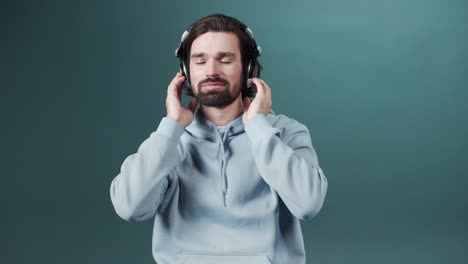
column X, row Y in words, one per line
column 284, row 122
column 290, row 129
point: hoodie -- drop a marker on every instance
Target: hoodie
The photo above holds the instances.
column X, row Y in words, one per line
column 223, row 195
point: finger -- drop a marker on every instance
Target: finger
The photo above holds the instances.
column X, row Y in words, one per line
column 267, row 90
column 180, row 88
column 252, row 86
column 259, row 86
column 192, row 104
column 176, row 80
column 267, row 87
column 175, row 85
column 267, row 93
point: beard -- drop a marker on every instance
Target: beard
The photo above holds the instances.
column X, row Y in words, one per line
column 219, row 98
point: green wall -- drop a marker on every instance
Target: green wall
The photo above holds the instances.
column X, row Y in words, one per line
column 381, row 84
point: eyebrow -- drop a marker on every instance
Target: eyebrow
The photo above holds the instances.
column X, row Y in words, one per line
column 220, row 55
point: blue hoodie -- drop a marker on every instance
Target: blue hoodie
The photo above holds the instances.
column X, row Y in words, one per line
column 230, row 195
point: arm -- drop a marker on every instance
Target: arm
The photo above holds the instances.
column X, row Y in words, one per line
column 288, row 163
column 144, row 177
column 139, row 188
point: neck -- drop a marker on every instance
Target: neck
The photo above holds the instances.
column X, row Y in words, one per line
column 221, row 116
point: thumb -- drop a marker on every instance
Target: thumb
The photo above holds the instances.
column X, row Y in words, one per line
column 192, row 104
column 246, row 103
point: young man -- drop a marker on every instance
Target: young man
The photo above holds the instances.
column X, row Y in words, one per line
column 228, row 181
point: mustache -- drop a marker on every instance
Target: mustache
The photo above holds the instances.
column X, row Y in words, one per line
column 213, row 79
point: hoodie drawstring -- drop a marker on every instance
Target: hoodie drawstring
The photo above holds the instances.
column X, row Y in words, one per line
column 222, row 158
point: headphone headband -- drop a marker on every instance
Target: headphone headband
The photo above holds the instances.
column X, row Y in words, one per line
column 257, row 48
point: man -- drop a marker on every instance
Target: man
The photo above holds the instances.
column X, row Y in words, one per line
column 228, row 181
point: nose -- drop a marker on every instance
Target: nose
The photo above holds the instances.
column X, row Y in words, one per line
column 212, row 68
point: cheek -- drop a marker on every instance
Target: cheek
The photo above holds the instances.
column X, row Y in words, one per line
column 195, row 77
column 235, row 74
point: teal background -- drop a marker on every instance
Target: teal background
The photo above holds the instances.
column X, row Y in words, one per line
column 381, row 84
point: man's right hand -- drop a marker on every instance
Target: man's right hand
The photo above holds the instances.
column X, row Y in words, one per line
column 175, row 111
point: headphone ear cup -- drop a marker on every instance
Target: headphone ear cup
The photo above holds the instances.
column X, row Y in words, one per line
column 251, row 73
column 184, row 70
column 255, row 70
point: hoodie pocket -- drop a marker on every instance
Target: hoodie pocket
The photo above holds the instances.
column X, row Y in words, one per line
column 220, row 259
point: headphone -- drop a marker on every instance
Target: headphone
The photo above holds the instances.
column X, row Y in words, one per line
column 253, row 67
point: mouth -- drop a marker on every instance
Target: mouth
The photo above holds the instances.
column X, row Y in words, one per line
column 213, row 85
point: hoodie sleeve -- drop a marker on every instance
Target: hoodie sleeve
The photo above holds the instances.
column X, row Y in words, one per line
column 288, row 163
column 139, row 188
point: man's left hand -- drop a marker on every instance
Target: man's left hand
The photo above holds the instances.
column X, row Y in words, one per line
column 261, row 104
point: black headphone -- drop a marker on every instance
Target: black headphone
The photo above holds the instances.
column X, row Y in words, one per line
column 253, row 67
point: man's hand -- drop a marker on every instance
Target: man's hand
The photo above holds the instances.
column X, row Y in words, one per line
column 261, row 104
column 175, row 111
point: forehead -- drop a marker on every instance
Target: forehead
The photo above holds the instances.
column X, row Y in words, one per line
column 215, row 42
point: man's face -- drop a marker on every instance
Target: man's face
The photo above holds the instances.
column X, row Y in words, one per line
column 216, row 68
